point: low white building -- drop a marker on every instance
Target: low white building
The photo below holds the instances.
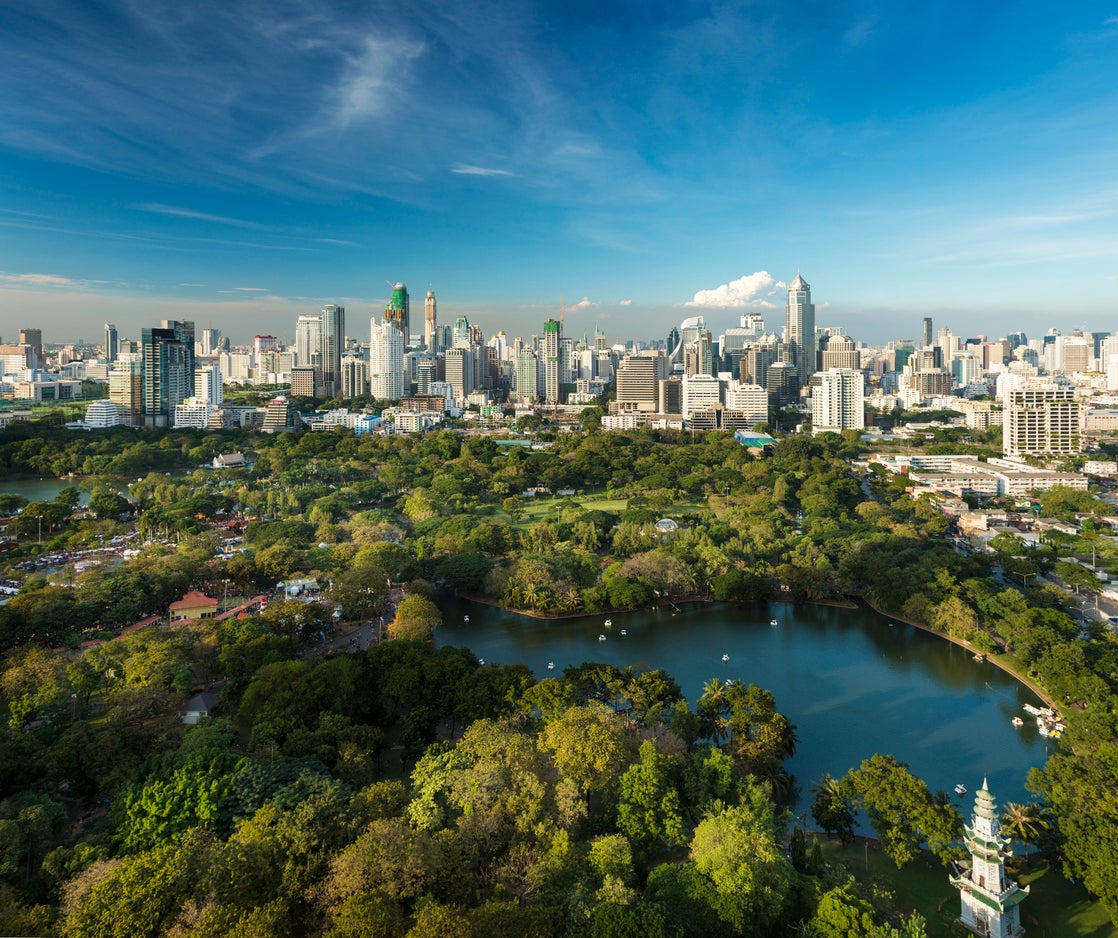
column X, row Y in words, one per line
column 102, row 414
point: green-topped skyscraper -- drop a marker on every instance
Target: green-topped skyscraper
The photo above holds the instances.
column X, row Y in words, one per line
column 398, row 311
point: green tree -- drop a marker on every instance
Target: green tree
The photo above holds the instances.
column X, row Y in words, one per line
column 416, row 618
column 649, row 811
column 740, row 851
column 1024, row 823
column 901, row 810
column 588, row 747
column 842, row 914
column 831, row 810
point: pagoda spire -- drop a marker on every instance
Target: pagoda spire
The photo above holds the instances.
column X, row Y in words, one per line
column 990, row 902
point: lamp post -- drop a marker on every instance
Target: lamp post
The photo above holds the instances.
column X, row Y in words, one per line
column 1025, row 579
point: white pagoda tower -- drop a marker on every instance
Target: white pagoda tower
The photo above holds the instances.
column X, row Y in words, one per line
column 990, row 901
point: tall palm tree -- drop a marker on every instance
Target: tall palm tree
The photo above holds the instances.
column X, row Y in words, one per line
column 1023, row 822
column 713, row 710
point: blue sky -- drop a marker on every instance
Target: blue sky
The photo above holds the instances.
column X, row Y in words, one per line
column 239, row 163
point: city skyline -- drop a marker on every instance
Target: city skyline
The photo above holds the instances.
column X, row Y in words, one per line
column 241, row 167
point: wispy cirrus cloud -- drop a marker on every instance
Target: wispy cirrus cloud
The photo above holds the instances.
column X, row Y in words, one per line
column 175, row 211
column 466, row 169
column 370, row 84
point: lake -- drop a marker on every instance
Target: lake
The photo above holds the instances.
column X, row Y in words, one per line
column 853, row 682
column 44, row 489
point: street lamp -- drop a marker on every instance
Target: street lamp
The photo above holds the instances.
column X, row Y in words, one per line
column 1025, row 579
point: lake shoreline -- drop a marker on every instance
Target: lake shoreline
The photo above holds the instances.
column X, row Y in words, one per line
column 963, row 643
column 833, row 603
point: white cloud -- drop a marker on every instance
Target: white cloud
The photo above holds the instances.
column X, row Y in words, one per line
column 38, row 280
column 465, row 169
column 584, row 303
column 175, row 211
column 626, row 303
column 251, row 289
column 741, row 292
column 370, row 86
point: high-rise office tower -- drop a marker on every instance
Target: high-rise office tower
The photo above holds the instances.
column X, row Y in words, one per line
column 552, row 361
column 460, row 371
column 837, row 401
column 426, row 373
column 839, row 352
column 34, row 338
column 207, row 384
column 333, row 343
column 673, row 340
column 126, row 388
column 638, row 382
column 168, row 371
column 112, row 343
column 398, row 311
column 386, row 361
column 800, row 327
column 264, row 343
column 926, row 333
column 430, row 320
column 463, row 335
column 209, row 341
column 527, row 375
column 308, row 341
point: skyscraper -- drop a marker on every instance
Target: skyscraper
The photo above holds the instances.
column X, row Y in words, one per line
column 926, row 332
column 126, row 388
column 112, row 343
column 207, row 384
column 527, row 375
column 210, row 341
column 463, row 336
column 837, row 402
column 34, row 338
column 398, row 311
column 168, row 371
column 552, row 361
column 386, row 361
column 333, row 342
column 800, row 327
column 430, row 320
column 308, row 340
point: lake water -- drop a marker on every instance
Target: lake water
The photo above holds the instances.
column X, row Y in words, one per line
column 36, row 489
column 853, row 683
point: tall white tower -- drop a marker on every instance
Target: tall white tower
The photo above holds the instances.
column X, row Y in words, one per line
column 838, row 401
column 386, row 361
column 430, row 320
column 990, row 901
column 800, row 327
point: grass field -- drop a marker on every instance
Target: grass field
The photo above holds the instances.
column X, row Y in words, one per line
column 1055, row 908
column 544, row 508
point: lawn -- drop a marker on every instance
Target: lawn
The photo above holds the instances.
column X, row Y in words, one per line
column 542, row 508
column 1055, row 908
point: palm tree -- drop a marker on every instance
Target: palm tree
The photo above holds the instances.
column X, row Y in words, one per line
column 1023, row 822
column 713, row 710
